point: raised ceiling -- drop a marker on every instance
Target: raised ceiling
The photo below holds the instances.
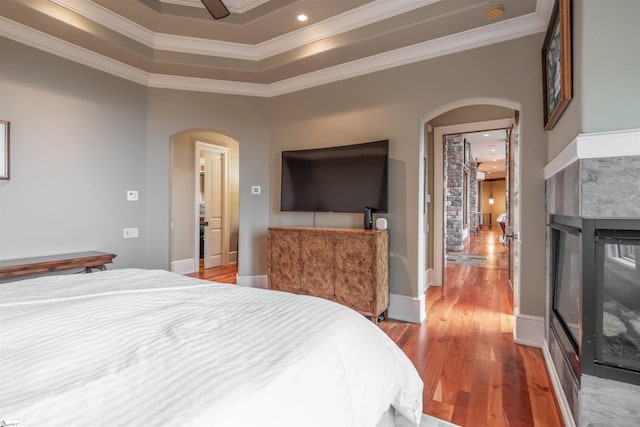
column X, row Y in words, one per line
column 261, row 49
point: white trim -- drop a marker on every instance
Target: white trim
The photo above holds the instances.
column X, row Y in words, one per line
column 200, row 46
column 261, row 282
column 39, row 40
column 620, row 143
column 226, row 233
column 407, row 309
column 347, row 21
column 350, row 20
column 528, row 330
column 565, row 409
column 185, row 266
column 208, row 85
column 438, row 173
column 109, row 19
column 483, row 36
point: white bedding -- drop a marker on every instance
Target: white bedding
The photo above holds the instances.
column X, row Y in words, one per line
column 152, row 348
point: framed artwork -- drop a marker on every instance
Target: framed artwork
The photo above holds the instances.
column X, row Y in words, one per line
column 4, row 149
column 556, row 64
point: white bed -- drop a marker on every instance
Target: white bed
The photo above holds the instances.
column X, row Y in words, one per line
column 151, row 348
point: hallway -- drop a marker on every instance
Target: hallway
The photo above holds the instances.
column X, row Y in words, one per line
column 474, row 374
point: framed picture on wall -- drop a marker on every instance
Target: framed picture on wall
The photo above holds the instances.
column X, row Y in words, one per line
column 556, row 64
column 4, row 149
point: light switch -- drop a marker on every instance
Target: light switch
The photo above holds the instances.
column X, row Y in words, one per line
column 132, row 195
column 130, row 233
column 256, row 190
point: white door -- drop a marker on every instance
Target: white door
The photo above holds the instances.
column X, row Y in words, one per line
column 213, row 208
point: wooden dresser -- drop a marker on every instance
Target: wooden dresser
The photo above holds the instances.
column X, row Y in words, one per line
column 349, row 266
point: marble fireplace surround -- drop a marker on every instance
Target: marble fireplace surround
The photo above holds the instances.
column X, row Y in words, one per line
column 596, row 176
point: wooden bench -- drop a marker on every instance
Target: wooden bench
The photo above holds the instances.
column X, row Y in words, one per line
column 46, row 264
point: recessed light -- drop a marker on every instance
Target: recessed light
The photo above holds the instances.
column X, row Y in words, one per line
column 486, row 134
column 302, row 17
column 493, row 150
column 494, row 12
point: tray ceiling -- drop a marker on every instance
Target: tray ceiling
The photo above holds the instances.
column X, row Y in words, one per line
column 261, row 49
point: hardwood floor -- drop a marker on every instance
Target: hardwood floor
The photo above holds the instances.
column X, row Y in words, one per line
column 473, row 372
column 224, row 274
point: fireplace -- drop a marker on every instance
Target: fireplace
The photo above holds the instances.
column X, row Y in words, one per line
column 595, row 296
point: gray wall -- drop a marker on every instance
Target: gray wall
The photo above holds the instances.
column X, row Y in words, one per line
column 606, row 70
column 391, row 104
column 81, row 138
column 241, row 118
column 78, row 143
column 117, row 136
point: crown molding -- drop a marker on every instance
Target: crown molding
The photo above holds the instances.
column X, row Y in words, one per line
column 196, row 84
column 198, row 46
column 471, row 39
column 350, row 20
column 489, row 34
column 109, row 19
column 43, row 41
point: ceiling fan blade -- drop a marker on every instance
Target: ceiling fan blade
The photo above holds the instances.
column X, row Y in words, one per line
column 216, row 8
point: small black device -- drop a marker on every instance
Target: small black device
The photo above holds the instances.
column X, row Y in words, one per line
column 368, row 218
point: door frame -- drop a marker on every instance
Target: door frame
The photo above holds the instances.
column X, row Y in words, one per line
column 224, row 152
column 438, row 185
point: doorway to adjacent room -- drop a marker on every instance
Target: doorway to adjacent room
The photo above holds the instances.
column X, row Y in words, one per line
column 204, row 202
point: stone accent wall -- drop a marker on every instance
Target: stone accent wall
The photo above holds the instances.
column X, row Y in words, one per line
column 454, row 180
column 474, row 217
column 596, row 188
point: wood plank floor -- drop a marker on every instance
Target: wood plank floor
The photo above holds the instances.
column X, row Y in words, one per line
column 224, row 274
column 473, row 372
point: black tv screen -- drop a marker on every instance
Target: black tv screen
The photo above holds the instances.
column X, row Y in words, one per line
column 335, row 179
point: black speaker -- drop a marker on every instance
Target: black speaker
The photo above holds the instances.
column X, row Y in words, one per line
column 368, row 218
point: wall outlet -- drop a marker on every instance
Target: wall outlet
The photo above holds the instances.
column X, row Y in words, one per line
column 130, row 233
column 132, row 195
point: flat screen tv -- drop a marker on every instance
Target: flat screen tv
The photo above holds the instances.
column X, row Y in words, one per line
column 347, row 178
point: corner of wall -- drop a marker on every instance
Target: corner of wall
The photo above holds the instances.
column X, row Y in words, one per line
column 407, row 309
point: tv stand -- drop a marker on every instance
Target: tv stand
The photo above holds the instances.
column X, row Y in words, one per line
column 349, row 266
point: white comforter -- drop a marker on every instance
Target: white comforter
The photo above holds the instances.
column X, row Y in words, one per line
column 150, row 348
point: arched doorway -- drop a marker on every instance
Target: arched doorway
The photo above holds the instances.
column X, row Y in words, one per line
column 189, row 194
column 458, row 118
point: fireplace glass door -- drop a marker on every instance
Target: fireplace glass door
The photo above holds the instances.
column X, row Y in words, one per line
column 619, row 327
column 568, row 281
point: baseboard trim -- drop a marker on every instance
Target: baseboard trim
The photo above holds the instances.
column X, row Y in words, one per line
column 565, row 410
column 185, row 266
column 407, row 309
column 261, row 282
column 529, row 330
